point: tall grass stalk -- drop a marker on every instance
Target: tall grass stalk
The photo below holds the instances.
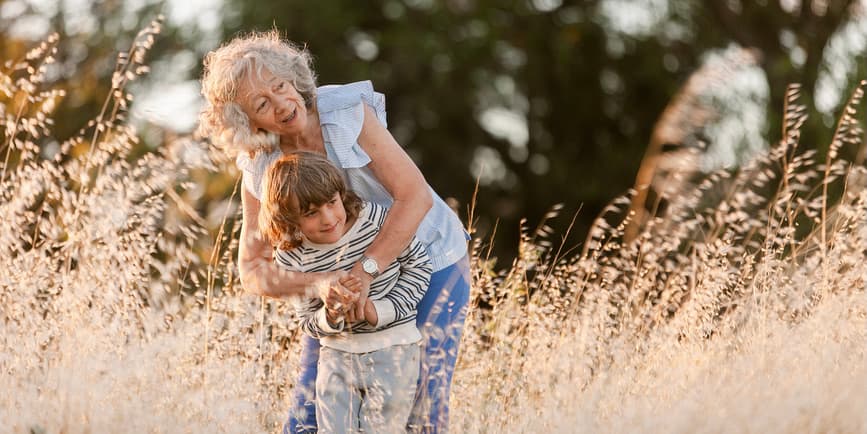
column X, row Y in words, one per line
column 743, row 313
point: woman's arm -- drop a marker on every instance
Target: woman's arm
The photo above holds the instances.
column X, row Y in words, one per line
column 403, row 180
column 258, row 272
column 412, row 199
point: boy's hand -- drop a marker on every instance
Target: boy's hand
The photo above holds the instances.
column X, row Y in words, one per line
column 370, row 313
column 337, row 298
column 333, row 317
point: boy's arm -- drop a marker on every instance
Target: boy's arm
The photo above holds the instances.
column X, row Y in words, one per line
column 313, row 314
column 314, row 318
column 412, row 283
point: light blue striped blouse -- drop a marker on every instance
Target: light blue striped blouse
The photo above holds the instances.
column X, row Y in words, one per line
column 341, row 114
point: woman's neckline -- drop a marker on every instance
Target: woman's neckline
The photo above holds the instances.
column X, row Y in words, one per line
column 315, row 142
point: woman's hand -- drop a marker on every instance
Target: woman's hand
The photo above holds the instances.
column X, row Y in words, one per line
column 354, row 284
column 360, row 283
column 332, row 290
column 351, row 282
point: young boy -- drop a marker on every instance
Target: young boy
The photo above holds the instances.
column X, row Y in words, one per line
column 368, row 370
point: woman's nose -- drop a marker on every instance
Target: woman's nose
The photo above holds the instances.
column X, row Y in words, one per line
column 279, row 107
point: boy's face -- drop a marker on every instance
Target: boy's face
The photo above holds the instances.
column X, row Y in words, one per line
column 326, row 223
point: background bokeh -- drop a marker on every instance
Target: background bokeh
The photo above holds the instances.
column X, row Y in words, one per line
column 539, row 101
column 726, row 294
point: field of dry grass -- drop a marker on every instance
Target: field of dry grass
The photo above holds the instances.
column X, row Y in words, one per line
column 742, row 309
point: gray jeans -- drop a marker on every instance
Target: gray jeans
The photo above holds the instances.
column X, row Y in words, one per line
column 366, row 393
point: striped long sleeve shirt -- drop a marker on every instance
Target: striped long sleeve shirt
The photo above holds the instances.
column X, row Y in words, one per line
column 395, row 293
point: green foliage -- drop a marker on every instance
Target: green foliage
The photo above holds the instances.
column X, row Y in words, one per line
column 107, row 309
column 588, row 93
column 583, row 93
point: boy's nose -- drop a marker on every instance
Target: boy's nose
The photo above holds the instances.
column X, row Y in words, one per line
column 328, row 217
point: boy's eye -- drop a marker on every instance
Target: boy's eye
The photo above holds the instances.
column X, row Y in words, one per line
column 333, row 201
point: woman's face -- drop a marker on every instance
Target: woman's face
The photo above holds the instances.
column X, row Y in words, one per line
column 272, row 104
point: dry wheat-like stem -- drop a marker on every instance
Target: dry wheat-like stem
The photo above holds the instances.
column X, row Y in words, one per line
column 122, row 310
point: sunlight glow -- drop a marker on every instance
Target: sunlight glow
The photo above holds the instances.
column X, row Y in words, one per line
column 738, row 134
column 637, row 18
column 844, row 50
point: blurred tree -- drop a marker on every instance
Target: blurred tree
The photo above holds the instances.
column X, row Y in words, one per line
column 546, row 101
column 526, row 97
column 541, row 101
column 92, row 33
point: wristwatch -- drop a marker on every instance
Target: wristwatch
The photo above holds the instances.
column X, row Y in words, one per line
column 370, row 266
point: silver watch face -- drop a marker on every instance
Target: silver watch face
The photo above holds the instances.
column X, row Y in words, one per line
column 369, row 266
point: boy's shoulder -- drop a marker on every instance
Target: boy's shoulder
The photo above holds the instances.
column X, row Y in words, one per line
column 373, row 213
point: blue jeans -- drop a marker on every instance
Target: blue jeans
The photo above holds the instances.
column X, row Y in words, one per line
column 441, row 315
column 369, row 392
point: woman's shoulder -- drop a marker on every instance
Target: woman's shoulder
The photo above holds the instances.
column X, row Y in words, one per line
column 341, row 113
column 257, row 161
column 342, row 103
column 253, row 168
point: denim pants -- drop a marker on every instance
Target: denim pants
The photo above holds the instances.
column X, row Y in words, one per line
column 366, row 393
column 441, row 315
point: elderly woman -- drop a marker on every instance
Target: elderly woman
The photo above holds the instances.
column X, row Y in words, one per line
column 263, row 102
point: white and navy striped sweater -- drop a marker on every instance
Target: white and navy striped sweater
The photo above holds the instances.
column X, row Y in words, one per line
column 395, row 293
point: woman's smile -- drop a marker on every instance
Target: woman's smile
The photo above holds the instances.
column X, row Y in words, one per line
column 291, row 116
column 273, row 104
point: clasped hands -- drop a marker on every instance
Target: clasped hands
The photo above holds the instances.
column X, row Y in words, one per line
column 346, row 298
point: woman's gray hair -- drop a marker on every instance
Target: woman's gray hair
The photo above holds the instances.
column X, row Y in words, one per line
column 222, row 118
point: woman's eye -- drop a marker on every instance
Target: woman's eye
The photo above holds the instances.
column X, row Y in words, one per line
column 261, row 106
column 280, row 86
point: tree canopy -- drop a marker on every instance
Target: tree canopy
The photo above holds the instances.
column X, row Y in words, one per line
column 540, row 102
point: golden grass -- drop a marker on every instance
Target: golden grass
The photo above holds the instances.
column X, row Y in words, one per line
column 743, row 309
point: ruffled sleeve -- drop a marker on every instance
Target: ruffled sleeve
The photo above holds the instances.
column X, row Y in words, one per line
column 253, row 169
column 341, row 113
